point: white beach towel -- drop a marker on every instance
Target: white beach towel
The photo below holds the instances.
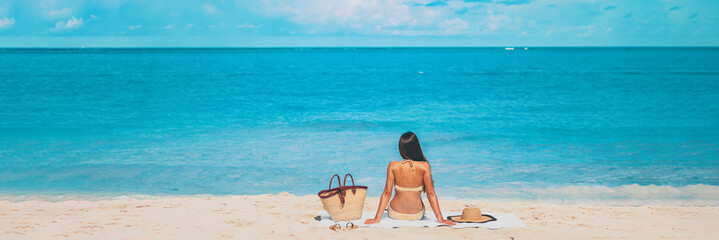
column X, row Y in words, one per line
column 503, row 220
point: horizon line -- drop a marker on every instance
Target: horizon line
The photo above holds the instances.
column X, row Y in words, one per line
column 357, row 47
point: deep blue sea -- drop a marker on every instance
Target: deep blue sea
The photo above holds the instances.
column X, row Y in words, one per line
column 542, row 123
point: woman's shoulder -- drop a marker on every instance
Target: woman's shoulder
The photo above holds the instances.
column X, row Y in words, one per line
column 395, row 163
column 421, row 164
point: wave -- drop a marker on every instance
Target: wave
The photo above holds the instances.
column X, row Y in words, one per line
column 59, row 197
column 626, row 195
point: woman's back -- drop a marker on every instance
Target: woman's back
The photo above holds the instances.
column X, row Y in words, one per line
column 408, row 178
column 409, row 182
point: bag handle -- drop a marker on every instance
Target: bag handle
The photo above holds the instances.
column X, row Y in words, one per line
column 338, row 181
column 354, row 190
column 339, row 189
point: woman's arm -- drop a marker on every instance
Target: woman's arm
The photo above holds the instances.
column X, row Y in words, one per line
column 432, row 197
column 384, row 199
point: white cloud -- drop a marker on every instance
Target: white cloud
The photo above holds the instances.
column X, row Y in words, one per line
column 548, row 19
column 453, row 26
column 417, row 18
column 500, row 21
column 70, row 24
column 248, row 25
column 397, row 17
column 134, row 27
column 6, row 23
column 358, row 16
column 60, row 13
column 585, row 31
column 211, row 9
column 577, row 28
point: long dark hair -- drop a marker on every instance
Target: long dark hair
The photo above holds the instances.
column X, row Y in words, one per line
column 409, row 147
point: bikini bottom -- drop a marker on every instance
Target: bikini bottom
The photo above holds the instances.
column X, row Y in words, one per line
column 405, row 216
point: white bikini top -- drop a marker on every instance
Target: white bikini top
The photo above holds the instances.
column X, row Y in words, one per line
column 406, row 189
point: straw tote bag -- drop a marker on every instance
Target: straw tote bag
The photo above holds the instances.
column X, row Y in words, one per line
column 343, row 203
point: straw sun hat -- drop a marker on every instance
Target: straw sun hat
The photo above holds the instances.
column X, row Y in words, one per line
column 471, row 215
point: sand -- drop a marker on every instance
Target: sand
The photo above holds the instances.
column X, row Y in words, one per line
column 285, row 216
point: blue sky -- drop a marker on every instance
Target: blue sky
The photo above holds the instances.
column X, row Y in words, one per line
column 303, row 23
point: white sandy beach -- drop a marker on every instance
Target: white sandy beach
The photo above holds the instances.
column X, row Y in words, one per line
column 285, row 216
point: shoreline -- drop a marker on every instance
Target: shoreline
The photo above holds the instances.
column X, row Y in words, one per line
column 624, row 195
column 286, row 216
column 57, row 198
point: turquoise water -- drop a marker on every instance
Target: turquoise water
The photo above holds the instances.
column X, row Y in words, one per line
column 596, row 123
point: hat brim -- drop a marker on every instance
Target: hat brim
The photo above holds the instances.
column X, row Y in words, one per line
column 485, row 218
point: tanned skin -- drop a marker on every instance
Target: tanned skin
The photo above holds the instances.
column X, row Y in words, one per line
column 408, row 202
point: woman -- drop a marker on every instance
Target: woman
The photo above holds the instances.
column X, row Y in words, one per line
column 412, row 175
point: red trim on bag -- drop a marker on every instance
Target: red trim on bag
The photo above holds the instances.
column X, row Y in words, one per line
column 341, row 190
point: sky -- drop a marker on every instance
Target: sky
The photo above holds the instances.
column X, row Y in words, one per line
column 357, row 23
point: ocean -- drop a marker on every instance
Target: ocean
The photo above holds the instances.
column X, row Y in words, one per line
column 561, row 124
